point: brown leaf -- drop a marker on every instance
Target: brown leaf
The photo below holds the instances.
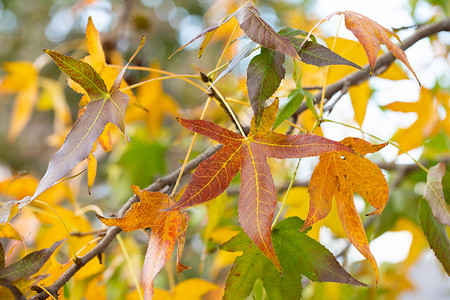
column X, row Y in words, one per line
column 167, row 227
column 371, row 34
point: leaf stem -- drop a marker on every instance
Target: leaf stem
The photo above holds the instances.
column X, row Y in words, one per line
column 375, row 137
column 287, row 193
column 130, row 265
column 189, row 150
column 164, row 78
column 226, row 46
column 324, row 85
column 69, row 238
column 148, row 69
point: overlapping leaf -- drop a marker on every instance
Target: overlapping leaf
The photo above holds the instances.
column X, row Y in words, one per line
column 339, row 175
column 371, row 35
column 25, row 268
column 167, row 228
column 257, row 198
column 298, row 254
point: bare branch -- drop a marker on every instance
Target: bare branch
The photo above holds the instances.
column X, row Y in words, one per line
column 113, row 231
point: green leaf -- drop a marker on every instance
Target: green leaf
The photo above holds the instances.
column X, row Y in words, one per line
column 434, row 194
column 289, row 107
column 29, row 265
column 82, row 73
column 310, row 103
column 298, row 254
column 436, row 235
column 264, row 75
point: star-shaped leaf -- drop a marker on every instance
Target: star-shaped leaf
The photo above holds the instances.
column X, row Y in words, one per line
column 167, row 227
column 249, row 154
column 298, row 254
column 339, row 175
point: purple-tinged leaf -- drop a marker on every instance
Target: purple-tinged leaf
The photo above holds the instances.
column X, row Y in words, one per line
column 245, row 52
column 264, row 75
column 261, row 32
column 318, row 55
column 29, row 265
column 436, row 235
column 208, row 33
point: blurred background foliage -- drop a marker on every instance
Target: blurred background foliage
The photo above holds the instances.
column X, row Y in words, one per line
column 159, row 144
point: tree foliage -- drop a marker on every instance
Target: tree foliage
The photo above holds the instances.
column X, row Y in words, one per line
column 248, row 225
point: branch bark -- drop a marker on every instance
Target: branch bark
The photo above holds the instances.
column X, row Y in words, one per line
column 383, row 62
column 113, row 231
column 353, row 79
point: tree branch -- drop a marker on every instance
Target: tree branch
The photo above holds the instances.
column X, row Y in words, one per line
column 383, row 62
column 113, row 231
column 353, row 79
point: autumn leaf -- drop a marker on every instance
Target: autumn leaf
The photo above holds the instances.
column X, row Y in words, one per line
column 22, row 80
column 261, row 32
column 192, row 289
column 264, row 75
column 105, row 107
column 257, row 197
column 22, row 272
column 298, row 254
column 371, row 35
column 434, row 194
column 339, row 175
column 436, row 234
column 245, row 52
column 208, row 33
column 426, row 124
column 167, row 228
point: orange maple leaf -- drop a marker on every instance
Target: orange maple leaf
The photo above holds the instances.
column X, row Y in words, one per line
column 167, row 227
column 371, row 35
column 339, row 175
column 257, row 198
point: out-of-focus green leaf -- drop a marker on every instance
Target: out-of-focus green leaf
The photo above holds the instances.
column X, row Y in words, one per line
column 436, row 235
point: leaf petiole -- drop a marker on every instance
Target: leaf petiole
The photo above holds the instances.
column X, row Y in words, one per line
column 287, row 193
column 375, row 137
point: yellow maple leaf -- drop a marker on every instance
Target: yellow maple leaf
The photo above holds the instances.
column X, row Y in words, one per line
column 426, row 124
column 192, row 289
column 22, row 80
